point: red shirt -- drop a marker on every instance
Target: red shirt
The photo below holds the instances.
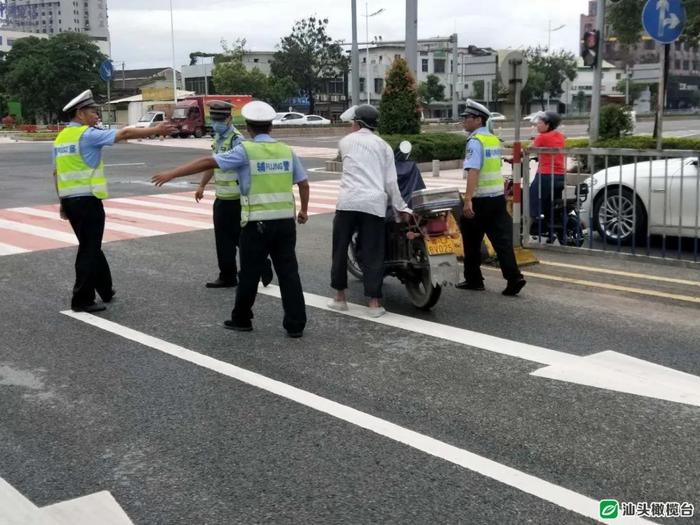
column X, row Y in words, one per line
column 551, row 139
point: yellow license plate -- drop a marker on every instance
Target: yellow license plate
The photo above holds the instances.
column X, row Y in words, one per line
column 440, row 245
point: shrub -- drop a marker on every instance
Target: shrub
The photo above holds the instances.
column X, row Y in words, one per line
column 398, row 110
column 432, row 146
column 614, row 121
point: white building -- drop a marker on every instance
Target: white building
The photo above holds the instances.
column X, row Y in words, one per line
column 194, row 75
column 583, row 83
column 50, row 17
column 8, row 38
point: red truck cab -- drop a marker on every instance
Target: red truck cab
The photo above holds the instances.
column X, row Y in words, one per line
column 191, row 115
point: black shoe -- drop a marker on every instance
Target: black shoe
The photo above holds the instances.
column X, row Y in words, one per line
column 514, row 287
column 109, row 298
column 466, row 285
column 266, row 275
column 231, row 325
column 295, row 335
column 89, row 308
column 220, row 283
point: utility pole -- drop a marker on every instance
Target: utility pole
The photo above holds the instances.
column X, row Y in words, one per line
column 355, row 58
column 412, row 37
column 172, row 43
column 597, row 72
column 627, row 85
column 455, row 63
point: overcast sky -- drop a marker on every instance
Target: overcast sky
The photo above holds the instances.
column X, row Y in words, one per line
column 140, row 29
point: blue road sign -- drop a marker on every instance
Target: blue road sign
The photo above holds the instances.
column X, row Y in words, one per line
column 106, row 70
column 663, row 19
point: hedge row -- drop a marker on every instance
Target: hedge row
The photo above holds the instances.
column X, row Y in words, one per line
column 432, row 146
column 638, row 142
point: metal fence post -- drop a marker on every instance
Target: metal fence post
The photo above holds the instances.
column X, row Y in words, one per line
column 517, row 192
column 526, row 196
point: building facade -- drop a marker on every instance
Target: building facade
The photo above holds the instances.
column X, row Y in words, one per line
column 50, row 17
column 8, row 38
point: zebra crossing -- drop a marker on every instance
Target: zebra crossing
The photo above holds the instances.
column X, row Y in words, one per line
column 28, row 229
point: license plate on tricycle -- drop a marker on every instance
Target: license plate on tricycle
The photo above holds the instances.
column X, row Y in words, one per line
column 440, row 245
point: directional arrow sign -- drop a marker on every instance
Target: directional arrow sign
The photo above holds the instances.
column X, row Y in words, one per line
column 663, row 19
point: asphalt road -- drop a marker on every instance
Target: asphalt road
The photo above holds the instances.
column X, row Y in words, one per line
column 86, row 409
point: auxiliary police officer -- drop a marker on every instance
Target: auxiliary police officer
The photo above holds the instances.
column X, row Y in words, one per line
column 81, row 186
column 485, row 209
column 267, row 171
column 227, row 205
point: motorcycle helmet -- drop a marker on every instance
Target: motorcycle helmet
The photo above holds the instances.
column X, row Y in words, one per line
column 551, row 118
column 368, row 115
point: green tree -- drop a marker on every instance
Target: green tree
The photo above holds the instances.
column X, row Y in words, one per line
column 398, row 109
column 431, row 90
column 233, row 78
column 614, row 121
column 547, row 71
column 309, row 56
column 635, row 88
column 43, row 74
column 478, row 89
column 625, row 19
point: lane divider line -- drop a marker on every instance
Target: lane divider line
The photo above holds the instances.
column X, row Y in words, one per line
column 621, row 273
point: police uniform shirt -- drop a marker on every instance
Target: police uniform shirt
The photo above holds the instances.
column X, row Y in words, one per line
column 91, row 144
column 219, row 139
column 237, row 159
column 474, row 157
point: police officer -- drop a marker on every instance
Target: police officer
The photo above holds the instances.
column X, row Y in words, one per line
column 81, row 186
column 227, row 205
column 485, row 209
column 267, row 171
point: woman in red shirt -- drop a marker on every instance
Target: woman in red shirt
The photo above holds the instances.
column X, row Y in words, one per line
column 548, row 184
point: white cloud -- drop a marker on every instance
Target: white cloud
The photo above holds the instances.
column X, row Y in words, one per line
column 140, row 30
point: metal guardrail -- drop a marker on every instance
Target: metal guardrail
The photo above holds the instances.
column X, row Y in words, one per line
column 634, row 201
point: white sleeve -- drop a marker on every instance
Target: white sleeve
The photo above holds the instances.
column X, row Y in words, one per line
column 391, row 184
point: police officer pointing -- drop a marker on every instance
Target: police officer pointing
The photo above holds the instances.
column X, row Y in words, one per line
column 267, row 171
column 485, row 209
column 81, row 186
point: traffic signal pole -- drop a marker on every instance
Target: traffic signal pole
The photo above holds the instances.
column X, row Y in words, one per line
column 597, row 73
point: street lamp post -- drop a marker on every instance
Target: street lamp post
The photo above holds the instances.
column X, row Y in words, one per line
column 549, row 33
column 367, row 17
column 172, row 43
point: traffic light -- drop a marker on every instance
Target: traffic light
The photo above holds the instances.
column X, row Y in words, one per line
column 589, row 50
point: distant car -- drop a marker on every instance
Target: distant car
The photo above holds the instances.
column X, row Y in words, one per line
column 292, row 118
column 497, row 116
column 289, row 118
column 149, row 120
column 532, row 116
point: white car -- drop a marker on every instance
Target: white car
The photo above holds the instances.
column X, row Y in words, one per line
column 149, row 120
column 293, row 118
column 495, row 116
column 665, row 204
column 532, row 116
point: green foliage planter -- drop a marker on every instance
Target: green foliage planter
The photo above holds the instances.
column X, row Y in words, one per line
column 50, row 136
column 432, row 146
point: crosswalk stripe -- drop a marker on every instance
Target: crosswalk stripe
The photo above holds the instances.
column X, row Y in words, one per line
column 158, row 218
column 163, row 206
column 109, row 225
column 8, row 249
column 181, row 198
column 38, row 231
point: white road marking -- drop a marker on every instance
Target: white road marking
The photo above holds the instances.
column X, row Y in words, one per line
column 56, row 235
column 163, row 206
column 517, row 479
column 109, row 225
column 607, row 370
column 158, row 218
column 622, row 274
column 126, row 164
column 8, row 249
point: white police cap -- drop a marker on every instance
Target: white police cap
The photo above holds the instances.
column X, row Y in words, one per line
column 474, row 108
column 258, row 111
column 84, row 100
column 348, row 115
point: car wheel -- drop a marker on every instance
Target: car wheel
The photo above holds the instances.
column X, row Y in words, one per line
column 198, row 133
column 618, row 216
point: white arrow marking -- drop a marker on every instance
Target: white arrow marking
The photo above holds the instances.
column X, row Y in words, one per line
column 563, row 497
column 673, row 21
column 662, row 5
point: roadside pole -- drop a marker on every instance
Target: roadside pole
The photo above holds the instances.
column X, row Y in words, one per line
column 355, row 58
column 597, row 73
column 660, row 103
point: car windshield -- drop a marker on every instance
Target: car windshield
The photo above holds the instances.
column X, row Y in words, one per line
column 279, row 116
column 147, row 117
column 180, row 113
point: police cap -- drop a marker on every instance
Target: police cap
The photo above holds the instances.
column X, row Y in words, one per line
column 84, row 100
column 219, row 109
column 476, row 109
column 258, row 111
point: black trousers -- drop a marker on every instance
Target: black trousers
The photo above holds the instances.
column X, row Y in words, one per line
column 87, row 218
column 371, row 237
column 491, row 218
column 543, row 187
column 276, row 239
column 227, row 231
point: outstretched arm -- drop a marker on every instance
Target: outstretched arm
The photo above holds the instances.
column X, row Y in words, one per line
column 196, row 166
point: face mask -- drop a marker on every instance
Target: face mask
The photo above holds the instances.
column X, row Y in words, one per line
column 219, row 127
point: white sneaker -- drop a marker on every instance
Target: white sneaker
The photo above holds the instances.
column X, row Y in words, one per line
column 340, row 306
column 377, row 311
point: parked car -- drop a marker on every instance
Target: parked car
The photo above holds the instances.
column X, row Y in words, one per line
column 497, row 116
column 628, row 201
column 316, row 120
